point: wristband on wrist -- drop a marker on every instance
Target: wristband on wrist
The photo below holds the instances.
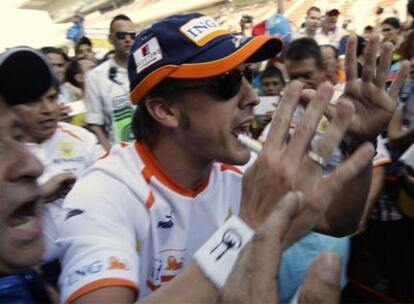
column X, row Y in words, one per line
column 218, row 255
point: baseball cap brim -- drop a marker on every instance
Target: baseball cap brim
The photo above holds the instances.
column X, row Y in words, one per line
column 25, row 75
column 221, row 57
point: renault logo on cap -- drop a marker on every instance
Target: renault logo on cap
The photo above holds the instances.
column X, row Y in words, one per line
column 202, row 30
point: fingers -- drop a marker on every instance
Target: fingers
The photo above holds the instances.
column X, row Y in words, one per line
column 337, row 128
column 306, row 96
column 64, row 111
column 350, row 168
column 305, row 130
column 351, row 59
column 399, row 80
column 322, row 282
column 62, row 177
column 384, row 65
column 370, row 57
column 281, row 119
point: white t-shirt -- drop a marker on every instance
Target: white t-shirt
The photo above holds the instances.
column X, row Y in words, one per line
column 134, row 226
column 385, row 209
column 70, row 149
column 107, row 100
column 318, row 37
column 406, row 104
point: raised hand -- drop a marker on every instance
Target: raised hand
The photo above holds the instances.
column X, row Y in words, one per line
column 374, row 107
column 58, row 186
column 283, row 165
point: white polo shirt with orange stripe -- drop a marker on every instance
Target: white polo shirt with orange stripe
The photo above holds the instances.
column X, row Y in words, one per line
column 69, row 149
column 128, row 224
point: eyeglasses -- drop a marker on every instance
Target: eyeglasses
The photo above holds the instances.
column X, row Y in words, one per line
column 123, row 35
column 225, row 86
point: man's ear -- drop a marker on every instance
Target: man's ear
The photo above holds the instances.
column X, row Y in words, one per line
column 165, row 113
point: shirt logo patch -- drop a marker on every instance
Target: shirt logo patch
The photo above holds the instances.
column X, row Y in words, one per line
column 116, row 263
column 148, row 54
column 73, row 213
column 231, row 239
column 202, row 30
column 84, row 271
column 168, row 223
column 66, row 149
column 173, row 264
column 238, row 41
column 165, row 266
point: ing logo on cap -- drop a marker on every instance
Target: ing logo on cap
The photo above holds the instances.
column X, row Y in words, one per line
column 202, row 30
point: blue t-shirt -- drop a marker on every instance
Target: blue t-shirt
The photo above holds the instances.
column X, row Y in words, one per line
column 297, row 259
column 23, row 288
column 278, row 25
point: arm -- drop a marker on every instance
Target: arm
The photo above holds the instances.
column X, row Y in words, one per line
column 378, row 177
column 58, row 186
column 95, row 111
column 351, row 200
column 280, row 6
column 399, row 138
column 102, row 138
column 374, row 108
column 191, row 286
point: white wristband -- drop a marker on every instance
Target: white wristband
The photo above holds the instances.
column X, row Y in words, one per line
column 218, row 255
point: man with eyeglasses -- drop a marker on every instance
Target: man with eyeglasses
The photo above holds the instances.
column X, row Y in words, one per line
column 109, row 110
column 156, row 220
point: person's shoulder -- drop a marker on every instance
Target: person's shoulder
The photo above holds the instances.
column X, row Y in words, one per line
column 98, row 70
column 75, row 132
column 73, row 90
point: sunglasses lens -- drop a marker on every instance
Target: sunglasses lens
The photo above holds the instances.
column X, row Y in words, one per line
column 248, row 74
column 122, row 35
column 229, row 84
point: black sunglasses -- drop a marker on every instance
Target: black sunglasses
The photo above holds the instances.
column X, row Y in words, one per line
column 122, row 35
column 225, row 86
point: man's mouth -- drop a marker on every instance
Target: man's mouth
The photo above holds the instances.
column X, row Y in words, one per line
column 25, row 220
column 242, row 129
column 49, row 123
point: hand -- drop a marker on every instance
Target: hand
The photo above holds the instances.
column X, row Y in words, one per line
column 64, row 111
column 58, row 186
column 374, row 107
column 283, row 165
column 254, row 276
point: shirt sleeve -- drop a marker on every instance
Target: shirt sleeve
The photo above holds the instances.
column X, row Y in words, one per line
column 98, row 237
column 382, row 157
column 93, row 100
column 94, row 149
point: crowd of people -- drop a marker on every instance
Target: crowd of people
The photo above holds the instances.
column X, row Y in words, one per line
column 126, row 178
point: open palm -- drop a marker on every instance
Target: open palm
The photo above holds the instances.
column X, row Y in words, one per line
column 374, row 107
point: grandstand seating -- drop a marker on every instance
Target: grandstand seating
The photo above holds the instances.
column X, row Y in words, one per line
column 361, row 12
